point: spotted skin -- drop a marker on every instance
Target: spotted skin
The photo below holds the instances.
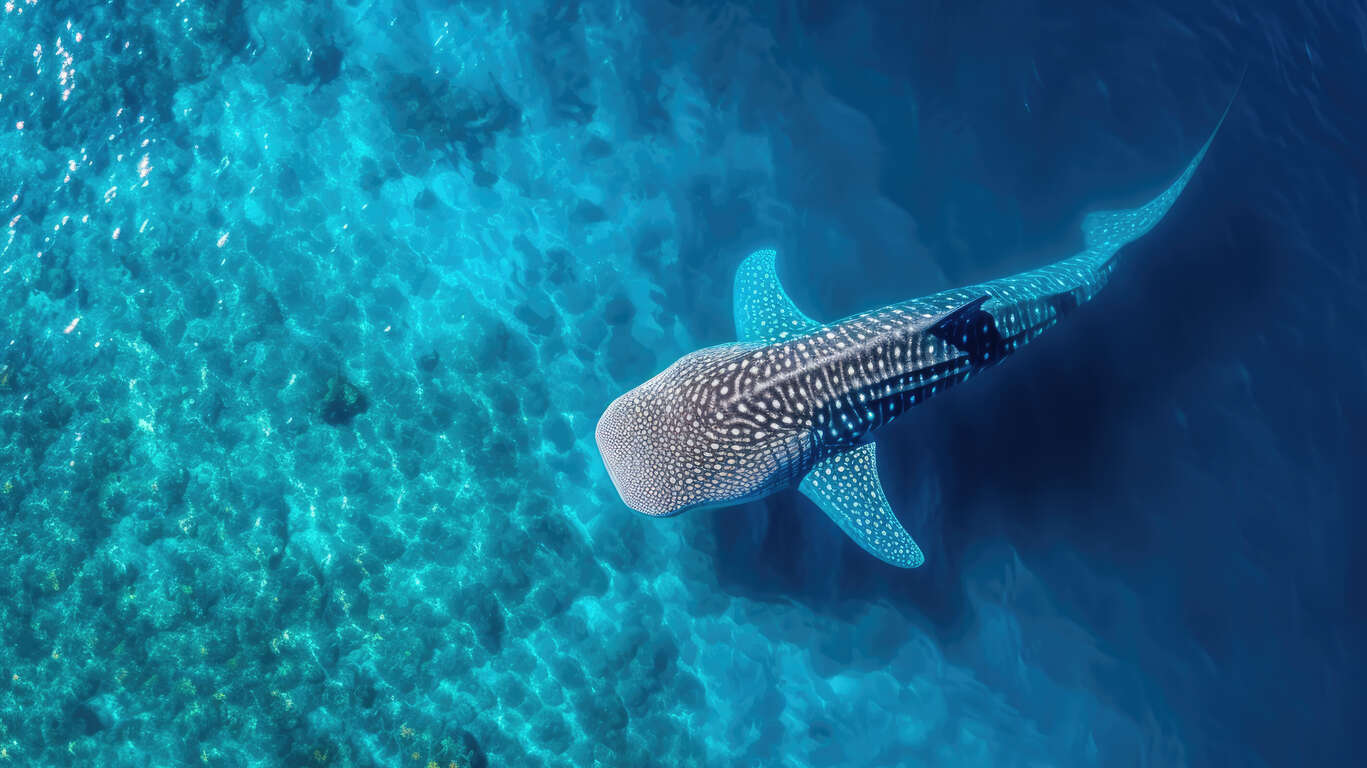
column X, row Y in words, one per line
column 846, row 486
column 794, row 401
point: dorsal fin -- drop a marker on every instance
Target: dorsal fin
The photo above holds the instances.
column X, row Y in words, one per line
column 945, row 325
column 764, row 313
column 972, row 330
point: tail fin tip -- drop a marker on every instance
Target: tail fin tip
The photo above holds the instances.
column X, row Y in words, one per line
column 1105, row 232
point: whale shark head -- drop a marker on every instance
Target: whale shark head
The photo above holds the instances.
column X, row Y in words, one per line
column 674, row 444
column 625, row 435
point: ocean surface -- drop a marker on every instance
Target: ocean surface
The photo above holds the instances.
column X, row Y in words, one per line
column 309, row 310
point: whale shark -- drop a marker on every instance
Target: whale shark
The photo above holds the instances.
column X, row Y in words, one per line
column 794, row 401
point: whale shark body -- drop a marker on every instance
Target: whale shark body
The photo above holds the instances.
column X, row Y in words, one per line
column 794, row 401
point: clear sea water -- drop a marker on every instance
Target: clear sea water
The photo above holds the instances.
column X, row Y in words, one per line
column 309, row 310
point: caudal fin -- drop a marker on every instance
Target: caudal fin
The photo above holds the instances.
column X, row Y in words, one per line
column 1105, row 232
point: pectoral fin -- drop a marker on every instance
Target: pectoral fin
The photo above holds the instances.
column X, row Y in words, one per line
column 764, row 313
column 847, row 489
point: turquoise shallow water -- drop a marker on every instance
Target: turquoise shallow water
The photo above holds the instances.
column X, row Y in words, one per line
column 310, row 309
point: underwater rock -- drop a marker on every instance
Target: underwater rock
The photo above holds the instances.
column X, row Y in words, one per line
column 327, row 63
column 545, row 601
column 550, row 730
column 484, row 178
column 536, row 399
column 343, row 401
column 385, row 543
column 443, row 116
column 200, row 298
column 560, row 269
column 511, row 692
column 601, row 712
column 588, row 213
column 467, row 751
column 689, row 691
column 592, row 331
column 627, row 357
column 596, row 149
column 576, row 298
column 539, row 316
column 619, row 310
column 57, row 282
column 481, row 610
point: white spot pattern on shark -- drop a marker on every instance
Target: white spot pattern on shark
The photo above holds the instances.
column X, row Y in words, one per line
column 794, row 401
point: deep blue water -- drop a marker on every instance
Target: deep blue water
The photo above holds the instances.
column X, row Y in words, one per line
column 310, row 310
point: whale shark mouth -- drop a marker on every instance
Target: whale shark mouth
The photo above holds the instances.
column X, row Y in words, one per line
column 625, row 459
